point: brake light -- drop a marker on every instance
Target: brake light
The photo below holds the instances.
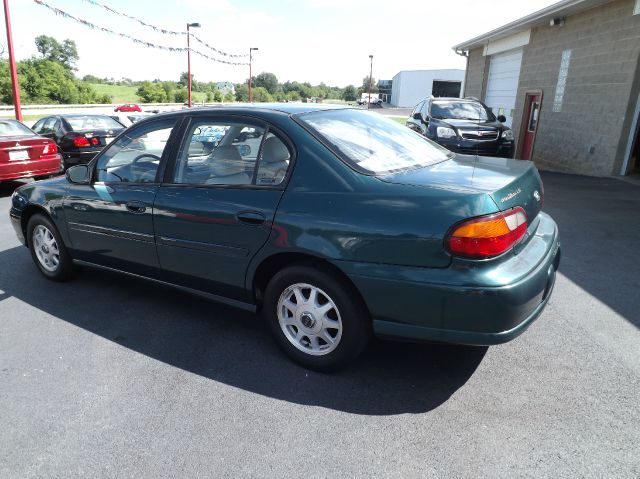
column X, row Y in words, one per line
column 50, row 149
column 487, row 236
column 95, row 141
column 80, row 142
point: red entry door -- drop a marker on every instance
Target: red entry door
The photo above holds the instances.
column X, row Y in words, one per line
column 531, row 111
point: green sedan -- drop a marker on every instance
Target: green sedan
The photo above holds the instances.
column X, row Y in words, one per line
column 335, row 223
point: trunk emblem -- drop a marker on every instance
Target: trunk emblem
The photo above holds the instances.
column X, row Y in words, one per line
column 536, row 195
column 513, row 194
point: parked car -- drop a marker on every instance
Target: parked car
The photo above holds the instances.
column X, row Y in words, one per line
column 128, row 107
column 463, row 125
column 128, row 119
column 79, row 137
column 24, row 154
column 340, row 223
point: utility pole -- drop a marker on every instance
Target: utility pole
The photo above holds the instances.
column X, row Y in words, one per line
column 250, row 58
column 194, row 25
column 370, row 80
column 15, row 86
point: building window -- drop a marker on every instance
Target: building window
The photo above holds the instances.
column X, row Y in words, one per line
column 636, row 8
column 562, row 80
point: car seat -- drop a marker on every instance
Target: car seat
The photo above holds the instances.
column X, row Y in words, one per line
column 274, row 162
column 226, row 167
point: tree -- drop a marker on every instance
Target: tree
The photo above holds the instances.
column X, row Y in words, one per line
column 181, row 95
column 229, row 97
column 260, row 95
column 242, row 92
column 267, row 81
column 152, row 93
column 350, row 93
column 365, row 85
column 65, row 53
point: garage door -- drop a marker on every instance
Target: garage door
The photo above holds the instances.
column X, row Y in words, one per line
column 502, row 84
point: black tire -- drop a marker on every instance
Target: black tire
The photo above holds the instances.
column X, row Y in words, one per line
column 355, row 330
column 65, row 268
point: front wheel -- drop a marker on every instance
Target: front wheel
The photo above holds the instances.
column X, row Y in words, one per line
column 47, row 249
column 316, row 317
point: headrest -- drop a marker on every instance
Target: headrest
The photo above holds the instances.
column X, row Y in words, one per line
column 226, row 160
column 274, row 151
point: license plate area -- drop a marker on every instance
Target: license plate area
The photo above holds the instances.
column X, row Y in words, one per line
column 18, row 155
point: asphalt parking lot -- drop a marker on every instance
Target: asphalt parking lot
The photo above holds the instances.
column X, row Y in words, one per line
column 109, row 376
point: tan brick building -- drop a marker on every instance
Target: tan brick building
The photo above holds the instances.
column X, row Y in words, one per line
column 568, row 80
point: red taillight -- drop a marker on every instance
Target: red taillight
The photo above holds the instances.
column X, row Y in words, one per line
column 488, row 236
column 50, row 149
column 95, row 141
column 80, row 142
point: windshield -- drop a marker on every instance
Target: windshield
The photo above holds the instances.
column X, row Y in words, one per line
column 460, row 110
column 92, row 122
column 373, row 142
column 14, row 128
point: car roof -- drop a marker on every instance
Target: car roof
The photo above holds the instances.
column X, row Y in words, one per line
column 288, row 108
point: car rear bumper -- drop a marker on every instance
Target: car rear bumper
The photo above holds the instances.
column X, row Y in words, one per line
column 479, row 303
column 27, row 169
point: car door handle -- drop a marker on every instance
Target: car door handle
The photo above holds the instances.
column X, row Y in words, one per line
column 251, row 217
column 136, row 207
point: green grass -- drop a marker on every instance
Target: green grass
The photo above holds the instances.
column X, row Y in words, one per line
column 25, row 118
column 118, row 93
column 400, row 119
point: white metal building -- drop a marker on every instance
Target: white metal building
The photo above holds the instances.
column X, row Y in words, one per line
column 409, row 87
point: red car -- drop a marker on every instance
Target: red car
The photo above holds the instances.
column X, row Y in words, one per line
column 25, row 154
column 128, row 107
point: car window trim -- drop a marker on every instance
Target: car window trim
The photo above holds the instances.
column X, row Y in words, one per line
column 93, row 164
column 170, row 172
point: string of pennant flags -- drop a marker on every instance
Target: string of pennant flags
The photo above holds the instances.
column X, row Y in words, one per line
column 93, row 26
column 163, row 30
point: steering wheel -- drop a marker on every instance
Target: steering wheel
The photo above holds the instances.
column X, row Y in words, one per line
column 144, row 174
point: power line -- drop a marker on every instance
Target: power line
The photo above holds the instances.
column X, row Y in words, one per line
column 93, row 26
column 163, row 30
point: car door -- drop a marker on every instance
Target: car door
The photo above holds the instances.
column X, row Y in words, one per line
column 217, row 205
column 110, row 220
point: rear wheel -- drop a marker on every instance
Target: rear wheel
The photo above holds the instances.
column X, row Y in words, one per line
column 316, row 317
column 47, row 249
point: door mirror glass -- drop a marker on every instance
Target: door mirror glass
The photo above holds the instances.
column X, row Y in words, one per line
column 78, row 175
column 417, row 116
column 502, row 118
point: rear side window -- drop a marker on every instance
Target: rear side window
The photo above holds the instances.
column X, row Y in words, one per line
column 13, row 128
column 371, row 142
column 231, row 153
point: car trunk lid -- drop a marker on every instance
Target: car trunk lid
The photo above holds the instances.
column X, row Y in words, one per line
column 102, row 136
column 24, row 148
column 509, row 183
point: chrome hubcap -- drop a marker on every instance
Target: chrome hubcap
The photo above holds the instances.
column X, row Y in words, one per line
column 46, row 248
column 309, row 319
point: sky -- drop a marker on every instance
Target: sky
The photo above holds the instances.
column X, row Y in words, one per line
column 303, row 40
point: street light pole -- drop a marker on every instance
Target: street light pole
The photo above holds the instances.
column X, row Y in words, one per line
column 189, row 25
column 250, row 58
column 370, row 80
column 15, row 87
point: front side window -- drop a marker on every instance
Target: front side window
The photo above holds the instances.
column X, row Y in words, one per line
column 224, row 152
column 372, row 142
column 135, row 156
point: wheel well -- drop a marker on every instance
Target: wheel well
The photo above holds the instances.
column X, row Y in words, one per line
column 27, row 213
column 270, row 266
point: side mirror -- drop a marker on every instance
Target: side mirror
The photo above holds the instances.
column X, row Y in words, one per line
column 417, row 116
column 78, row 175
column 502, row 118
column 244, row 150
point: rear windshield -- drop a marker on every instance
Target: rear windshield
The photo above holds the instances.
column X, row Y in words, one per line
column 372, row 142
column 92, row 122
column 14, row 128
column 460, row 110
